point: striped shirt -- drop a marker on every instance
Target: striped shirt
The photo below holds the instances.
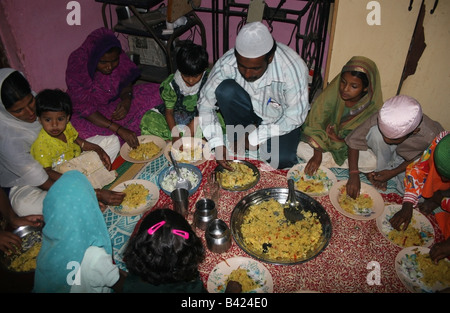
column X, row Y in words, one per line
column 279, row 97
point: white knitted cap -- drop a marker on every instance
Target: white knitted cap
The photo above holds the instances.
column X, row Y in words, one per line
column 254, row 40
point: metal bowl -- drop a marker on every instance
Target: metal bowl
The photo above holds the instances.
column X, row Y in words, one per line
column 279, row 194
column 30, row 236
column 171, row 170
column 255, row 170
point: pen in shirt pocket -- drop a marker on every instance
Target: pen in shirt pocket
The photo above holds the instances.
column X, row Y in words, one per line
column 268, row 101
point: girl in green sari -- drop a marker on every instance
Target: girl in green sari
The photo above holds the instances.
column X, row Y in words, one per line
column 351, row 97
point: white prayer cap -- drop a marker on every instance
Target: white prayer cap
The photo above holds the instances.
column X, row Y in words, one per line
column 254, row 40
column 399, row 116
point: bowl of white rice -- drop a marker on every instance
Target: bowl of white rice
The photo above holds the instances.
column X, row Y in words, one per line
column 167, row 179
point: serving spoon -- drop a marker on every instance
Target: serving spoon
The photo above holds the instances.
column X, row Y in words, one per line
column 181, row 182
column 292, row 207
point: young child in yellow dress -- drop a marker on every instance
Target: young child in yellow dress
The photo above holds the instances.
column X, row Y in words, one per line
column 58, row 141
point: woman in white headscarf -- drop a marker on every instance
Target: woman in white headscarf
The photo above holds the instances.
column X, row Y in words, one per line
column 20, row 174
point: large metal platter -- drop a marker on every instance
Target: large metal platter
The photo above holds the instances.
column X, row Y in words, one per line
column 255, row 170
column 279, row 194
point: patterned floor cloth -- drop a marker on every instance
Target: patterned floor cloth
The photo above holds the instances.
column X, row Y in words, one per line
column 341, row 267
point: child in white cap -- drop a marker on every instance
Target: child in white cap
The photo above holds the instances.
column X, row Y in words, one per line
column 261, row 89
column 397, row 134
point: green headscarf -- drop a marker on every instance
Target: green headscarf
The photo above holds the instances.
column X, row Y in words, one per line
column 329, row 108
column 442, row 157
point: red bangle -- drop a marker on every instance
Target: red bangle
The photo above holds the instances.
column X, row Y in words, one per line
column 354, row 171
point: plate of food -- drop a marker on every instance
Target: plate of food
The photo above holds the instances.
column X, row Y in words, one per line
column 316, row 185
column 253, row 276
column 195, row 151
column 141, row 195
column 418, row 273
column 420, row 232
column 259, row 227
column 367, row 206
column 245, row 176
column 150, row 147
column 168, row 178
column 24, row 259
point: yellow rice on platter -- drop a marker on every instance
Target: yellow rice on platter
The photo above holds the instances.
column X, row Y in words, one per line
column 241, row 176
column 433, row 273
column 135, row 195
column 26, row 261
column 241, row 276
column 406, row 238
column 311, row 184
column 361, row 205
column 265, row 231
column 144, row 151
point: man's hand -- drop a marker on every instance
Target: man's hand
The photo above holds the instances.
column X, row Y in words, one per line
column 222, row 157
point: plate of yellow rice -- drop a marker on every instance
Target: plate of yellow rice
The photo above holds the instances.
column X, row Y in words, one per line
column 150, row 147
column 419, row 273
column 316, row 185
column 194, row 151
column 259, row 227
column 244, row 176
column 367, row 206
column 253, row 276
column 141, row 195
column 419, row 232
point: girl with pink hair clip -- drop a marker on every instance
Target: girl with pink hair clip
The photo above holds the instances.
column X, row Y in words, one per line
column 163, row 256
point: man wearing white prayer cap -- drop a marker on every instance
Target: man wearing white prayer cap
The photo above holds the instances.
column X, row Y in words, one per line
column 398, row 134
column 261, row 88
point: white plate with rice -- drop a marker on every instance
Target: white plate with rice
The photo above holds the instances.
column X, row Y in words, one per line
column 142, row 195
column 144, row 139
column 359, row 210
column 422, row 233
column 316, row 185
column 431, row 280
column 196, row 151
column 257, row 273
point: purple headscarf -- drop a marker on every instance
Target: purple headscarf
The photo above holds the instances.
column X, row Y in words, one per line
column 103, row 44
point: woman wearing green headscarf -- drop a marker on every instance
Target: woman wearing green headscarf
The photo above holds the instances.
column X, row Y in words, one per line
column 351, row 97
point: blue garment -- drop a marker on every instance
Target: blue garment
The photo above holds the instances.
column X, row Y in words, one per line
column 73, row 223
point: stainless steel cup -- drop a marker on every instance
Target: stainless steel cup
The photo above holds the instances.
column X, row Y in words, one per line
column 218, row 236
column 180, row 200
column 205, row 211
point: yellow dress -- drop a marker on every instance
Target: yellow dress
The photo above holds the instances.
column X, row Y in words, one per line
column 50, row 151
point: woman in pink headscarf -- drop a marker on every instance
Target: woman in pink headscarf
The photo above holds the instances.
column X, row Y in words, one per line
column 100, row 78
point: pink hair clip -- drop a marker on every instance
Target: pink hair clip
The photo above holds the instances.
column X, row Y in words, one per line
column 177, row 232
column 155, row 227
column 181, row 233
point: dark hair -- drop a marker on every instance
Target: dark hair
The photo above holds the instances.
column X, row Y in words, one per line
column 192, row 59
column 53, row 100
column 117, row 50
column 164, row 257
column 362, row 76
column 14, row 88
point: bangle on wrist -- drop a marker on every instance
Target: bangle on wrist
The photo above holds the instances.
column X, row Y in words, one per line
column 118, row 128
column 110, row 123
column 354, row 172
